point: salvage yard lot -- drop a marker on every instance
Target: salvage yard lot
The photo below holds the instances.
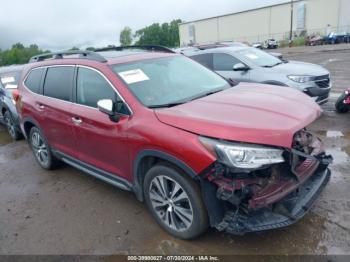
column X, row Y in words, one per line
column 67, row 212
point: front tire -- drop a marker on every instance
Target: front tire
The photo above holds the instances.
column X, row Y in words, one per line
column 11, row 127
column 41, row 149
column 175, row 202
column 340, row 106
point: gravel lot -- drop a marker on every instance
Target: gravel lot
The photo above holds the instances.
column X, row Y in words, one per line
column 67, row 212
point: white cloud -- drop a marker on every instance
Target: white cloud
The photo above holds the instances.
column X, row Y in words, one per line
column 60, row 24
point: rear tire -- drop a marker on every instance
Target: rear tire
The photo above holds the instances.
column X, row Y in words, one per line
column 11, row 127
column 175, row 202
column 41, row 149
column 340, row 106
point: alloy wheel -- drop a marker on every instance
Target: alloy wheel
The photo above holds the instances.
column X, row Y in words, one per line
column 10, row 126
column 171, row 203
column 40, row 148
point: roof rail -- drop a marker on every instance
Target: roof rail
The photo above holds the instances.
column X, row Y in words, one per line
column 142, row 47
column 210, row 46
column 59, row 55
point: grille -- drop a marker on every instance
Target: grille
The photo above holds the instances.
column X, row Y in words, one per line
column 322, row 81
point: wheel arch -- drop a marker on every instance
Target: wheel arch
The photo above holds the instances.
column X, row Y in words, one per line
column 148, row 158
column 28, row 123
column 3, row 109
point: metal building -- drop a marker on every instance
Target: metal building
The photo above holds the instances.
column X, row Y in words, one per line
column 257, row 25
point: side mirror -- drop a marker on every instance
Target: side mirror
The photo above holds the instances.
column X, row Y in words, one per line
column 106, row 106
column 240, row 67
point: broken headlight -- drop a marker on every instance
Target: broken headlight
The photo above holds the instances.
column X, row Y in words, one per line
column 243, row 156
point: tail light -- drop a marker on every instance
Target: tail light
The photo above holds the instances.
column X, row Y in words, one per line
column 15, row 96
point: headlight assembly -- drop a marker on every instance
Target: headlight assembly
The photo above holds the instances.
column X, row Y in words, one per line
column 243, row 156
column 300, row 79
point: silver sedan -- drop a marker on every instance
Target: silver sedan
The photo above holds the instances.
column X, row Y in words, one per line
column 248, row 64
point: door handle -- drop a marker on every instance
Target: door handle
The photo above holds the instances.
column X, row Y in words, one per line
column 40, row 106
column 77, row 120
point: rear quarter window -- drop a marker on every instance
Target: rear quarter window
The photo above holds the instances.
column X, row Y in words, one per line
column 204, row 59
column 59, row 82
column 33, row 80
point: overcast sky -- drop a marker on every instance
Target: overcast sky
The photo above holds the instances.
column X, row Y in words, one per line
column 60, row 24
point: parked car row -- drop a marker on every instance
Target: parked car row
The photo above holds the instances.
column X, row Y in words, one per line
column 9, row 78
column 337, row 38
column 332, row 38
column 198, row 148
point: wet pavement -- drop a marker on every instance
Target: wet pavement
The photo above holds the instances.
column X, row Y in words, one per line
column 67, row 212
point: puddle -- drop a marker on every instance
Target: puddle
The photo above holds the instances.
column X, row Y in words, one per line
column 347, row 150
column 337, row 144
column 9, row 156
column 302, row 238
column 339, row 155
column 334, row 134
column 4, row 137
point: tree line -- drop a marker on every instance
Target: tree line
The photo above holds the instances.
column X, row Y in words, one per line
column 19, row 54
column 166, row 34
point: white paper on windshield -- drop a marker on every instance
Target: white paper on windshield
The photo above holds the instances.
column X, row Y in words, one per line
column 252, row 56
column 10, row 86
column 133, row 76
column 7, row 79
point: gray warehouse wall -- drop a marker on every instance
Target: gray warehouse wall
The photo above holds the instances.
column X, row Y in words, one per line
column 344, row 15
column 269, row 22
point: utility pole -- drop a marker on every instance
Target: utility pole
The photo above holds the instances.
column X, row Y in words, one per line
column 291, row 23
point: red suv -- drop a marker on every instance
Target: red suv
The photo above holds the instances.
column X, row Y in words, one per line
column 197, row 149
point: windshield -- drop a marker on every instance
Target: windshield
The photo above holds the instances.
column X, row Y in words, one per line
column 259, row 58
column 169, row 80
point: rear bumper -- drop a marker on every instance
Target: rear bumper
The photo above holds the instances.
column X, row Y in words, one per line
column 284, row 213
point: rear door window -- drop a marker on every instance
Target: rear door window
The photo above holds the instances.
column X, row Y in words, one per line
column 224, row 62
column 33, row 80
column 204, row 59
column 59, row 82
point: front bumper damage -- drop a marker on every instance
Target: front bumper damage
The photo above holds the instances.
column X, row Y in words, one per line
column 275, row 197
column 286, row 211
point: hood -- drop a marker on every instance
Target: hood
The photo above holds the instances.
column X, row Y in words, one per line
column 300, row 68
column 252, row 113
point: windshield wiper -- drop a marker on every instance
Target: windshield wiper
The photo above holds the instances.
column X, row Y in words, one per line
column 269, row 66
column 207, row 94
column 167, row 105
column 185, row 101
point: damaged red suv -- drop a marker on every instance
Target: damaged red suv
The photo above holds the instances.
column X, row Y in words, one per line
column 198, row 150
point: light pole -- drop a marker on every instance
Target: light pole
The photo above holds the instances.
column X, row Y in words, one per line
column 291, row 23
